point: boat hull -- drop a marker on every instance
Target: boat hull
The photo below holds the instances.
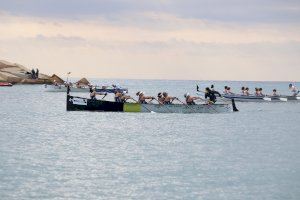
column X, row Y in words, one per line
column 83, row 104
column 60, row 88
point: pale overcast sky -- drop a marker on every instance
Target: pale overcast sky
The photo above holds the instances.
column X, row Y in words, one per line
column 163, row 39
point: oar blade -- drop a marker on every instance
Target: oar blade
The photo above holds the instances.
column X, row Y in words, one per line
column 267, row 99
column 283, row 99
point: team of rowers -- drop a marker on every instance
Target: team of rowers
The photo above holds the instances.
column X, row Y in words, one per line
column 162, row 98
column 259, row 91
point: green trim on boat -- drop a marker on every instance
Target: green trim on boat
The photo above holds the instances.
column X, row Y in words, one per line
column 132, row 107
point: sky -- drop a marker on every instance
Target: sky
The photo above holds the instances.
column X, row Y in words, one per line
column 158, row 39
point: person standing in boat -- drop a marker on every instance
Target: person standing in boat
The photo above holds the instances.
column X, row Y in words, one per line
column 293, row 89
column 143, row 98
column 189, row 99
column 168, row 99
column 211, row 95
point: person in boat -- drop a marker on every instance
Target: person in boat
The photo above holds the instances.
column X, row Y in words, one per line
column 225, row 90
column 121, row 97
column 189, row 99
column 274, row 93
column 93, row 93
column 212, row 88
column 246, row 92
column 229, row 90
column 211, row 95
column 168, row 99
column 243, row 90
column 257, row 92
column 143, row 98
column 160, row 98
column 260, row 91
column 293, row 89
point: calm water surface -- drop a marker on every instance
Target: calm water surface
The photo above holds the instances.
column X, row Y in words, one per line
column 48, row 153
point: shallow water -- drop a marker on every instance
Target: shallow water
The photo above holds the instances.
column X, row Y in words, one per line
column 48, row 153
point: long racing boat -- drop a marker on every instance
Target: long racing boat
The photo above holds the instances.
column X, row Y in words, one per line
column 264, row 98
column 84, row 104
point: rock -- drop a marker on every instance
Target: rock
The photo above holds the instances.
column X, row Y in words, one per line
column 15, row 73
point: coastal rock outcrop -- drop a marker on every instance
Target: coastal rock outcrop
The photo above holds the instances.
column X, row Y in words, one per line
column 18, row 74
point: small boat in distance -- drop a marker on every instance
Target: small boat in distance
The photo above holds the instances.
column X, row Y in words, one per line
column 83, row 89
column 5, row 84
column 84, row 104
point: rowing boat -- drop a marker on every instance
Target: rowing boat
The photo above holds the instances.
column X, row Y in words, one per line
column 63, row 88
column 265, row 98
column 5, row 84
column 84, row 104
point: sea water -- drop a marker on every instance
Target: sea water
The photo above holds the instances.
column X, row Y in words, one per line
column 49, row 153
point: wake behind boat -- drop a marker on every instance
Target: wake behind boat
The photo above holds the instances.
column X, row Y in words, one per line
column 84, row 104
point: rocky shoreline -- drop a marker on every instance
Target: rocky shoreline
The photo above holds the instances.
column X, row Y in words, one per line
column 18, row 74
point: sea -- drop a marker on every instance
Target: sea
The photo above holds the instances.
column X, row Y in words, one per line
column 49, row 153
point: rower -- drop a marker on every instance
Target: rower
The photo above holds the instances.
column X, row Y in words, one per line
column 225, row 90
column 143, row 98
column 118, row 96
column 257, row 92
column 260, row 92
column 160, row 98
column 229, row 90
column 125, row 97
column 243, row 90
column 212, row 87
column 246, row 92
column 168, row 99
column 274, row 92
column 293, row 89
column 211, row 95
column 189, row 99
column 93, row 93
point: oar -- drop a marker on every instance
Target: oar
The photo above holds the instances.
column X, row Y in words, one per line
column 185, row 105
column 104, row 96
column 267, row 99
column 163, row 105
column 283, row 99
column 143, row 106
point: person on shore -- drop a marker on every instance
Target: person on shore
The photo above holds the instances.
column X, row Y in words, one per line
column 189, row 99
column 211, row 95
column 168, row 99
column 32, row 74
column 160, row 98
column 143, row 98
column 37, row 73
column 293, row 89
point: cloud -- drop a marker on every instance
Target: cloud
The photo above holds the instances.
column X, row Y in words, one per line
column 152, row 45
